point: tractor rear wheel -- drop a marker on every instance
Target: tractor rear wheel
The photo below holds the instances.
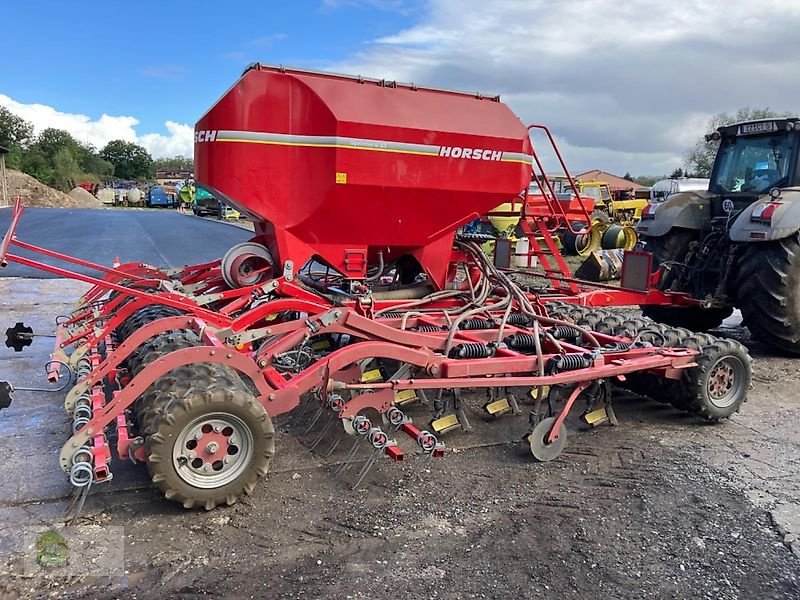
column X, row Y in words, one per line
column 673, row 247
column 769, row 292
column 211, row 441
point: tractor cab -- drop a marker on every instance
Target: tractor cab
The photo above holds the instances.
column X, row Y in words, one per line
column 754, row 157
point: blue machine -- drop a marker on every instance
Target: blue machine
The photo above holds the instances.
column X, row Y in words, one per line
column 158, row 197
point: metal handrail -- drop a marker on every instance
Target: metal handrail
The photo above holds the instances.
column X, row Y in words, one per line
column 552, row 201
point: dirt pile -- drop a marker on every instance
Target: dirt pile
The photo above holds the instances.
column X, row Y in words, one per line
column 35, row 193
column 84, row 197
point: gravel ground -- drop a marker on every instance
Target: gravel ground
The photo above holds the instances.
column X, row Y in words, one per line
column 661, row 506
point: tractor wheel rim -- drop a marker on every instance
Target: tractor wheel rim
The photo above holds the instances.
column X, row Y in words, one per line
column 213, row 450
column 725, row 381
column 630, row 236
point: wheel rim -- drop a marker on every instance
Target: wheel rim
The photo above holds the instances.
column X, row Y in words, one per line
column 725, row 381
column 246, row 264
column 585, row 243
column 631, row 239
column 212, row 450
column 250, row 269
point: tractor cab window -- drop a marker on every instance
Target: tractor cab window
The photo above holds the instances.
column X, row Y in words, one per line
column 753, row 164
column 599, row 193
column 591, row 191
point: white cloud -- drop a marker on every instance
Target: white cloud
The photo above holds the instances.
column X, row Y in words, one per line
column 177, row 140
column 627, row 86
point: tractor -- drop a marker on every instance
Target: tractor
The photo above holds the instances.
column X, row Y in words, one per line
column 738, row 243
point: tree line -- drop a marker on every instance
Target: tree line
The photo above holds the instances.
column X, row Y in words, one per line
column 56, row 158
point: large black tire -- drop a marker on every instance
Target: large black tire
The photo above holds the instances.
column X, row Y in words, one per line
column 154, row 396
column 768, row 287
column 159, row 345
column 669, row 248
column 660, row 389
column 716, row 388
column 142, row 317
column 204, row 401
column 694, row 318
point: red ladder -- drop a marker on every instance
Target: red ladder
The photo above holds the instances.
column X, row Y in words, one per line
column 559, row 274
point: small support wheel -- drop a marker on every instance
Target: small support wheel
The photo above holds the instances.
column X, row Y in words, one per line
column 247, row 264
column 543, row 450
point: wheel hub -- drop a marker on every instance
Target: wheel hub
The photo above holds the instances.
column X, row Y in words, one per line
column 247, row 264
column 212, row 450
column 723, row 382
column 249, row 269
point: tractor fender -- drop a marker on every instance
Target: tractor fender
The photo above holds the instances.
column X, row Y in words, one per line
column 689, row 210
column 785, row 219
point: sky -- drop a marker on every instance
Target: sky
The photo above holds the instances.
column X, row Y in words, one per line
column 625, row 86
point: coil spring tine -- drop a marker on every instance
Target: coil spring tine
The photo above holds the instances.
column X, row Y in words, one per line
column 75, row 506
column 348, row 459
column 305, row 404
column 82, row 455
column 362, row 427
column 335, row 405
column 521, row 341
column 70, row 513
column 396, row 418
column 379, row 440
column 428, row 442
column 78, row 424
column 366, row 468
column 322, row 433
column 314, row 420
column 334, row 446
column 81, row 476
column 82, row 410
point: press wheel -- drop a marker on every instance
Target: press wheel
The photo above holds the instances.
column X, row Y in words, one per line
column 543, row 450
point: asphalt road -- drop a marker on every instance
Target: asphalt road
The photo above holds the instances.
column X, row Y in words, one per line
column 160, row 238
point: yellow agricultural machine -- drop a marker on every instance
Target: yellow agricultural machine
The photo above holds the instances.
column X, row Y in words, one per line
column 615, row 214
